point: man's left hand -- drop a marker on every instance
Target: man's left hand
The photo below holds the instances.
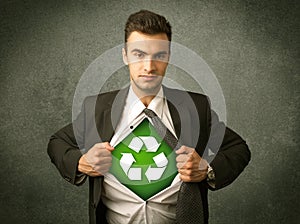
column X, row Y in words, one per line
column 191, row 167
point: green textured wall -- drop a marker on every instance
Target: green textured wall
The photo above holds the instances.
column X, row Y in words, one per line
column 252, row 46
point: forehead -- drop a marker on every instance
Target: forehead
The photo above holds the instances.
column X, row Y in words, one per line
column 147, row 43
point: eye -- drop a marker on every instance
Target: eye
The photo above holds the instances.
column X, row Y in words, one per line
column 139, row 55
column 161, row 56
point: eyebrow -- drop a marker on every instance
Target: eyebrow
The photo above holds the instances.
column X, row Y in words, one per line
column 138, row 50
column 143, row 52
column 161, row 52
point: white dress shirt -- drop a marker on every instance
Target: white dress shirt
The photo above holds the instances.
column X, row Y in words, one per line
column 123, row 205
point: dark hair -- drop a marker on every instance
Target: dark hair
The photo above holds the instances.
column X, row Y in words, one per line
column 147, row 22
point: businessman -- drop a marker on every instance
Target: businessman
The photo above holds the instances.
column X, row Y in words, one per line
column 190, row 128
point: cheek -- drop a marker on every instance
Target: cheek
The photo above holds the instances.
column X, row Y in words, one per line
column 134, row 68
column 161, row 67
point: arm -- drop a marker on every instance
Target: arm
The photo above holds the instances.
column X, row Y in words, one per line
column 233, row 154
column 231, row 159
column 65, row 154
column 64, row 150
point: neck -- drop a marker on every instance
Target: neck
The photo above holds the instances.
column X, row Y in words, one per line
column 146, row 100
column 145, row 96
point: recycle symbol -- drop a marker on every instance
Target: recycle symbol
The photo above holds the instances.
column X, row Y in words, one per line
column 152, row 173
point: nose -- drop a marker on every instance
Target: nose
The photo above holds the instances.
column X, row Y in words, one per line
column 149, row 65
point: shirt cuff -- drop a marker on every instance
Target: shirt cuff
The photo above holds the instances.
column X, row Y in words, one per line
column 80, row 178
column 211, row 178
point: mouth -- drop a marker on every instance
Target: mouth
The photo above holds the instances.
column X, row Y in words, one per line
column 148, row 77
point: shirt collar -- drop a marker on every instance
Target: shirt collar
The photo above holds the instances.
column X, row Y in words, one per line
column 136, row 106
column 157, row 103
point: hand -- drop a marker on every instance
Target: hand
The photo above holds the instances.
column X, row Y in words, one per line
column 191, row 167
column 97, row 161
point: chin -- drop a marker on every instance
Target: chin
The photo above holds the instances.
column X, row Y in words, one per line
column 149, row 89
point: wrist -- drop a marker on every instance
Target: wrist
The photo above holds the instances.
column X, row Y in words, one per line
column 211, row 177
column 86, row 168
column 83, row 165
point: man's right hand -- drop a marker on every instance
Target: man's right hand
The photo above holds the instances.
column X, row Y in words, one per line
column 97, row 161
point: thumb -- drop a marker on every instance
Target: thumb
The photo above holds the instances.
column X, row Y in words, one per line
column 108, row 146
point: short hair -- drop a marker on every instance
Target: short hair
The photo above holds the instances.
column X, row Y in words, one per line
column 147, row 22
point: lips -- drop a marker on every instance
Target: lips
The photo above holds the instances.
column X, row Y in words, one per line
column 148, row 77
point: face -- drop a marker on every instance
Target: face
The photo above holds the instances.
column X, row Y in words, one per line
column 147, row 58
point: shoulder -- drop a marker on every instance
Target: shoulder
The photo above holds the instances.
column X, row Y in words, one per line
column 104, row 98
column 182, row 95
column 107, row 95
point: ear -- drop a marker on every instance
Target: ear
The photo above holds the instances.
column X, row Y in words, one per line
column 125, row 59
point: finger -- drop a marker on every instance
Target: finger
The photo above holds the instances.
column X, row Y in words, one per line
column 185, row 172
column 94, row 173
column 99, row 158
column 192, row 172
column 103, row 169
column 87, row 168
column 104, row 145
column 183, row 158
column 96, row 154
column 181, row 164
column 103, row 153
column 193, row 178
column 190, row 179
column 185, row 178
column 104, row 160
column 108, row 146
column 184, row 149
column 203, row 165
column 186, row 165
column 185, row 161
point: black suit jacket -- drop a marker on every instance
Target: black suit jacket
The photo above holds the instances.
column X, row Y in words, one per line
column 195, row 123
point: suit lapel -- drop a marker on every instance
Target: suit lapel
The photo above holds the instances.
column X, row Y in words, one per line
column 108, row 119
column 111, row 112
column 174, row 103
column 114, row 108
column 106, row 125
column 179, row 107
column 175, row 118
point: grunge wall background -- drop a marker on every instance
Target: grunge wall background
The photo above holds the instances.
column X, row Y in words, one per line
column 252, row 47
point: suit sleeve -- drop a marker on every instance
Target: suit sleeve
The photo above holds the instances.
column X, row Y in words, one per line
column 64, row 150
column 233, row 154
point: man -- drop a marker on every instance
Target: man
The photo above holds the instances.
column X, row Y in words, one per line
column 107, row 118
